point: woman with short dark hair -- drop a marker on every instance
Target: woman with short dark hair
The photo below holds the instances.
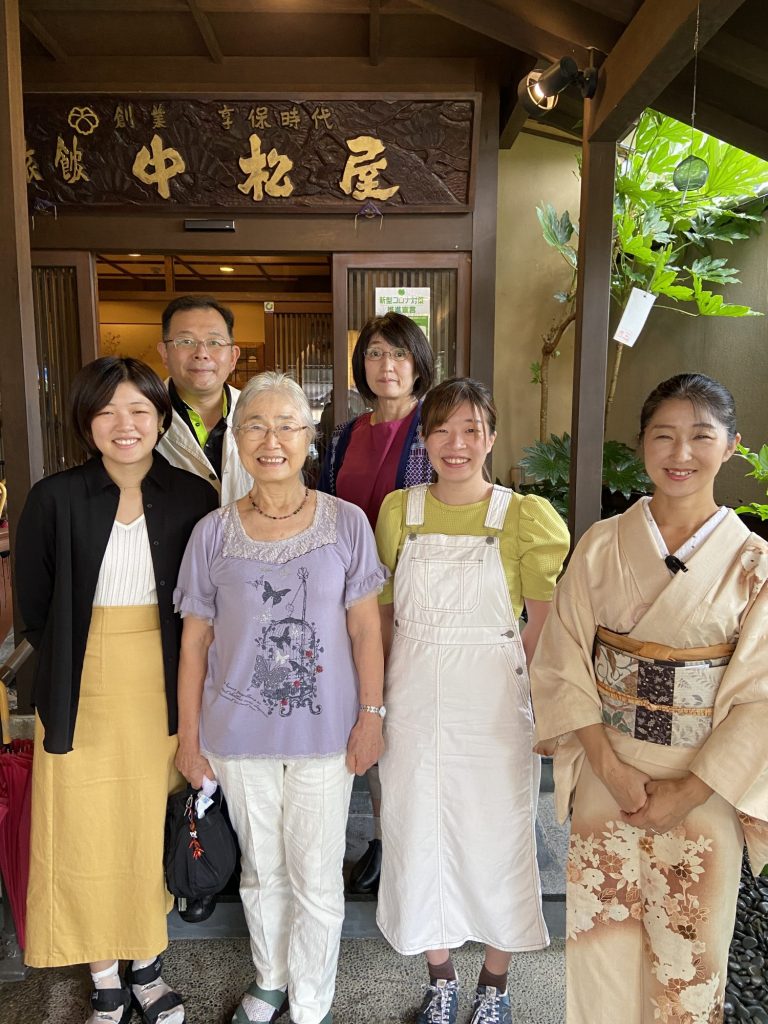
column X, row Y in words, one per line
column 98, row 550
column 379, row 451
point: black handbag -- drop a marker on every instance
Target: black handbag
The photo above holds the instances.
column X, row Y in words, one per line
column 200, row 853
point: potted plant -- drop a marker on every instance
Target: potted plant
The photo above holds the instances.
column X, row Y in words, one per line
column 548, row 463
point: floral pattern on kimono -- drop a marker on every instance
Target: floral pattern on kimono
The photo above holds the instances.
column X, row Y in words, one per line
column 624, row 873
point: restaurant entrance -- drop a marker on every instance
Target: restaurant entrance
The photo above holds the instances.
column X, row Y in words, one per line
column 299, row 313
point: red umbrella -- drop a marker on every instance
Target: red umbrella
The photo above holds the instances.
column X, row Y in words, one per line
column 15, row 802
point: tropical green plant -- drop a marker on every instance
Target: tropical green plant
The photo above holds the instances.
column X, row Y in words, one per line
column 548, row 463
column 663, row 237
column 558, row 232
column 759, row 463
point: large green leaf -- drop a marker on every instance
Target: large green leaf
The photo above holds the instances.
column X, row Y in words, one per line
column 653, row 225
column 557, row 231
column 548, row 460
column 710, row 304
column 717, row 270
column 757, row 460
column 622, row 470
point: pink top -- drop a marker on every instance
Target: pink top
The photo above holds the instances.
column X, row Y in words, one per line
column 369, row 471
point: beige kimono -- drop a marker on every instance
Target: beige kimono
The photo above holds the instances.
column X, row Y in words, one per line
column 650, row 916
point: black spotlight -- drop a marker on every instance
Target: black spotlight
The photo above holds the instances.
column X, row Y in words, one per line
column 539, row 90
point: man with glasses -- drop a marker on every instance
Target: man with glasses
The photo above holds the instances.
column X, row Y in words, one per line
column 199, row 354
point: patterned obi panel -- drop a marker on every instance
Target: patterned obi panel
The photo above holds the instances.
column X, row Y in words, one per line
column 667, row 701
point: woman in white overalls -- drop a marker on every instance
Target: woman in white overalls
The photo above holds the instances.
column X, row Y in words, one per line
column 459, row 779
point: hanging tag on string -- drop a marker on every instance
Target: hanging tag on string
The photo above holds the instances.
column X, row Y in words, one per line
column 634, row 316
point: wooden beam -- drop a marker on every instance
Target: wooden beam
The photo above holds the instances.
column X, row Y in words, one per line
column 563, row 19
column 738, row 57
column 656, row 46
column 513, row 30
column 591, row 345
column 294, row 7
column 620, row 10
column 109, row 6
column 723, row 124
column 540, row 133
column 18, row 367
column 513, row 113
column 205, row 30
column 170, row 283
column 484, row 223
column 512, row 126
column 42, row 35
column 119, row 267
column 106, row 294
column 374, row 32
column 436, row 75
column 189, row 266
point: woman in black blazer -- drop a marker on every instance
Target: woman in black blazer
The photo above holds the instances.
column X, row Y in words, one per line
column 97, row 552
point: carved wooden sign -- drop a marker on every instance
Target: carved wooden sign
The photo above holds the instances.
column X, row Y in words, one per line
column 362, row 155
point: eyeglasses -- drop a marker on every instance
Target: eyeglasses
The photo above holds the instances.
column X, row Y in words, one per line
column 377, row 354
column 259, row 432
column 189, row 344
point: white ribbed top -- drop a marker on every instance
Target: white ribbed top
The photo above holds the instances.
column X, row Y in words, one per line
column 126, row 576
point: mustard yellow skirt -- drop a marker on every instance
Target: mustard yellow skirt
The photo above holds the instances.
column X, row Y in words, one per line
column 96, row 884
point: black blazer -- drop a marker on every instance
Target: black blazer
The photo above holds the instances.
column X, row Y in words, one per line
column 62, row 536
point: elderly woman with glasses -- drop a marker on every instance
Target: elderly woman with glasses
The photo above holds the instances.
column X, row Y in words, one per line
column 280, row 693
column 376, row 453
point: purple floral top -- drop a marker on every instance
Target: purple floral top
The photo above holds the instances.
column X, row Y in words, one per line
column 281, row 681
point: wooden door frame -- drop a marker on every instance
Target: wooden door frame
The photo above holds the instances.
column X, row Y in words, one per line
column 343, row 262
column 84, row 264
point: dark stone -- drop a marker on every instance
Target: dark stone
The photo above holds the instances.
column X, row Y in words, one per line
column 747, row 984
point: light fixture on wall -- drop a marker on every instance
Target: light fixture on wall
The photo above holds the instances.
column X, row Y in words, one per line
column 539, row 90
column 691, row 173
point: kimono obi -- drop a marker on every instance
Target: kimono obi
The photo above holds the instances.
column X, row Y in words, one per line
column 657, row 693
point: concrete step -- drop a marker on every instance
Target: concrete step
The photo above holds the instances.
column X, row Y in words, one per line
column 228, row 921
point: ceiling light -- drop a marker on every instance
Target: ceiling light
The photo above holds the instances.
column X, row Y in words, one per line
column 539, row 90
column 134, row 254
column 227, row 270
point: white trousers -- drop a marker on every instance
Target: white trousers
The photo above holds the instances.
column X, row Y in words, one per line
column 291, row 820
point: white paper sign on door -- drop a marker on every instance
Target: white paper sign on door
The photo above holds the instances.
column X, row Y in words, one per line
column 411, row 302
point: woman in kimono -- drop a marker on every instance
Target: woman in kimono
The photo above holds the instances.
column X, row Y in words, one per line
column 650, row 685
column 459, row 779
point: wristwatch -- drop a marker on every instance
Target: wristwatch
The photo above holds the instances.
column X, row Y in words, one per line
column 380, row 711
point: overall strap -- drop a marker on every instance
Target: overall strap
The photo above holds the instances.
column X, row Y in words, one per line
column 414, row 511
column 497, row 508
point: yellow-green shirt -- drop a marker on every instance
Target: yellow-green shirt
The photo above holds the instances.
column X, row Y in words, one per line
column 533, row 546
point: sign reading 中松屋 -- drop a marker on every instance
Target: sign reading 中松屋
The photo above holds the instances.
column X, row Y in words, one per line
column 255, row 154
column 412, row 302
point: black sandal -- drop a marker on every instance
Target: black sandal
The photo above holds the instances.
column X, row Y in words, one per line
column 107, row 1000
column 144, row 976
